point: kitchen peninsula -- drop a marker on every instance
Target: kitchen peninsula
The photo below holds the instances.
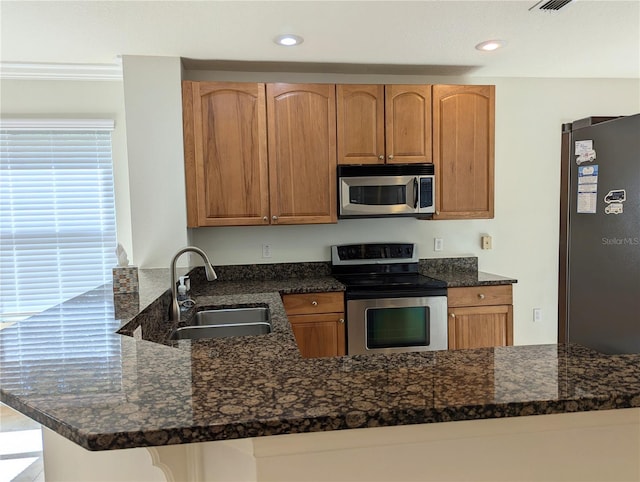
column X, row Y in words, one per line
column 251, row 408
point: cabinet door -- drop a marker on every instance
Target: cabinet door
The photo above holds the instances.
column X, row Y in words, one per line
column 408, row 123
column 463, row 150
column 319, row 335
column 301, row 122
column 480, row 326
column 225, row 146
column 360, row 123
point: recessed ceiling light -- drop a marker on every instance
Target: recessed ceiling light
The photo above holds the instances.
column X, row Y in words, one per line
column 288, row 40
column 490, row 45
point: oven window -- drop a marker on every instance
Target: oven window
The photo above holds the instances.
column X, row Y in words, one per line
column 378, row 195
column 397, row 327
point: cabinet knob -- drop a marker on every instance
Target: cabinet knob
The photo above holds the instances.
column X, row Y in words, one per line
column 452, row 315
column 381, row 157
column 265, row 218
column 437, row 212
column 341, row 320
column 314, row 303
column 275, row 218
column 391, row 157
column 481, row 296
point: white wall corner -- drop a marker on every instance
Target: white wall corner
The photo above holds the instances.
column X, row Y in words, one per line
column 153, row 106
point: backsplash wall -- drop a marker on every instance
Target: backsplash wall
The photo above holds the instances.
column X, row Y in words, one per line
column 243, row 245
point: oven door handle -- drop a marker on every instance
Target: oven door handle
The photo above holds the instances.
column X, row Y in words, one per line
column 394, row 293
column 415, row 193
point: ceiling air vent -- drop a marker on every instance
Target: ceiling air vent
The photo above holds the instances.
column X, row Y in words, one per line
column 551, row 4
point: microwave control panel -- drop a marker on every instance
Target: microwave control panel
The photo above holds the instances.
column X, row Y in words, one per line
column 426, row 192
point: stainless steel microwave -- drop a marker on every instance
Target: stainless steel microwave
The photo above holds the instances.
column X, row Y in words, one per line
column 382, row 190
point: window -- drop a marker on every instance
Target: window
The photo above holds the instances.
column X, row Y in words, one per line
column 57, row 213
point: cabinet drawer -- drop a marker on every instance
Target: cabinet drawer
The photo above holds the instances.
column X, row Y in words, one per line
column 480, row 295
column 309, row 303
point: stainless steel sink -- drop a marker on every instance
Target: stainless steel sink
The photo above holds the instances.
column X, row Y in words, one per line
column 255, row 314
column 223, row 323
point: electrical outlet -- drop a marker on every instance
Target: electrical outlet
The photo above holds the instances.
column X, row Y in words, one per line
column 486, row 241
column 266, row 250
column 438, row 244
column 537, row 314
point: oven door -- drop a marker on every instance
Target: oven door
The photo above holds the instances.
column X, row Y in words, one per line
column 378, row 196
column 398, row 324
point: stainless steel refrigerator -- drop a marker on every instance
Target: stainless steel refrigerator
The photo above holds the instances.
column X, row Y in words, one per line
column 599, row 277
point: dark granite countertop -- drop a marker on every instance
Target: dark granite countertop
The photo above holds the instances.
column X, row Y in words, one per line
column 456, row 279
column 68, row 369
column 461, row 272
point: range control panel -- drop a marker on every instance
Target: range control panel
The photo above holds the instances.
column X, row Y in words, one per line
column 386, row 252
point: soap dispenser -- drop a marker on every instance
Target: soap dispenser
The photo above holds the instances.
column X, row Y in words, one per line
column 182, row 289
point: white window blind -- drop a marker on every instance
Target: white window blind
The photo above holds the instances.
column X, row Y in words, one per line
column 57, row 215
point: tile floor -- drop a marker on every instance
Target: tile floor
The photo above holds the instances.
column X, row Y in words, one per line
column 20, row 447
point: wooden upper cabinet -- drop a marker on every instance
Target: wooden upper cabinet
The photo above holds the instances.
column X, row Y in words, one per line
column 408, row 123
column 360, row 110
column 301, row 122
column 225, row 145
column 463, row 150
column 380, row 124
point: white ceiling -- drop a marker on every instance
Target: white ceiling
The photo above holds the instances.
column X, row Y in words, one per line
column 587, row 38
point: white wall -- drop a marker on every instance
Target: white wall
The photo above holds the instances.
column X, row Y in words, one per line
column 81, row 100
column 153, row 97
column 529, row 115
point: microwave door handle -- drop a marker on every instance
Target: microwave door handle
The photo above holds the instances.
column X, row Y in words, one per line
column 415, row 193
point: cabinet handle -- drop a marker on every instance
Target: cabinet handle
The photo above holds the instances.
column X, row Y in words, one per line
column 265, row 218
column 314, row 303
column 275, row 218
column 391, row 157
column 438, row 213
column 381, row 157
column 481, row 296
column 452, row 315
column 341, row 320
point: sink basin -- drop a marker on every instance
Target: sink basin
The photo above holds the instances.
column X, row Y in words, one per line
column 258, row 314
column 226, row 322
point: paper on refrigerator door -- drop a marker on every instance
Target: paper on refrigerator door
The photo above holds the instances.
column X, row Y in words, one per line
column 584, row 151
column 582, row 147
column 587, row 189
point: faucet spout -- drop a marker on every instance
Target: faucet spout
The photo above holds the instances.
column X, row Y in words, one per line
column 209, row 271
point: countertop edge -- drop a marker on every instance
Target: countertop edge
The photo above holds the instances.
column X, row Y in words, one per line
column 346, row 421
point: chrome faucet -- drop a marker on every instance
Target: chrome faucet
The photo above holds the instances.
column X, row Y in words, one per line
column 211, row 275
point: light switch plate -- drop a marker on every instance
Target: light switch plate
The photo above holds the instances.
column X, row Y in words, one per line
column 438, row 244
column 486, row 242
column 537, row 314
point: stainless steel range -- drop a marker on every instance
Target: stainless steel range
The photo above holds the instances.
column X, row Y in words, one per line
column 391, row 308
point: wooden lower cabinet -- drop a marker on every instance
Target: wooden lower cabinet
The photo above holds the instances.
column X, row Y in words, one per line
column 317, row 320
column 480, row 317
column 319, row 335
